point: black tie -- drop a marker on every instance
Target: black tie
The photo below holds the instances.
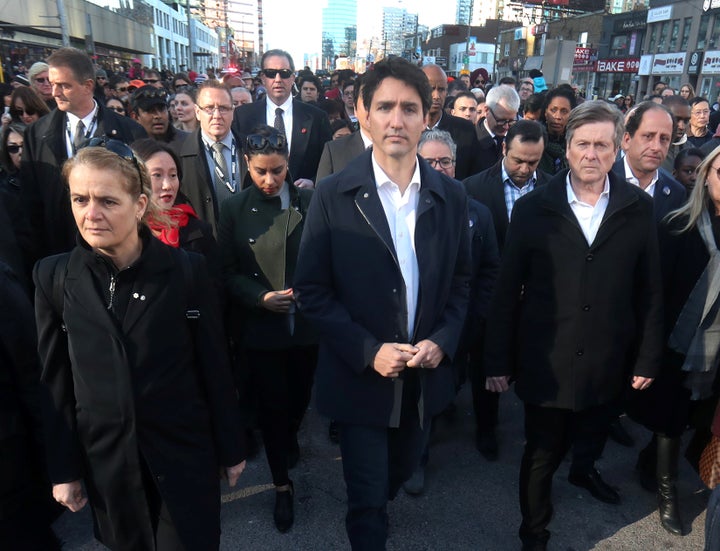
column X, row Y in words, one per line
column 498, row 144
column 79, row 135
column 279, row 122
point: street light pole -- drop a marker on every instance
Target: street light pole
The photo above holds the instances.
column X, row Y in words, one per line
column 62, row 16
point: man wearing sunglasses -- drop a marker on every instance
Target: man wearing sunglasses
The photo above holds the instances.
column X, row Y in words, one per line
column 47, row 225
column 306, row 127
column 501, row 109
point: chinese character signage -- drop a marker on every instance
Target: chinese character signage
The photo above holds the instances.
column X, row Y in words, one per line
column 711, row 63
column 665, row 64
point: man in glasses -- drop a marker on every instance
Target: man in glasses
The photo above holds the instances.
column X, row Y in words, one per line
column 120, row 89
column 211, row 157
column 152, row 78
column 47, row 223
column 649, row 131
column 306, row 127
column 149, row 107
column 501, row 109
column 374, row 231
column 462, row 131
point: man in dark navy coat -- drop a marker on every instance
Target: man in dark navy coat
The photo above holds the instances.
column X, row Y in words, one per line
column 383, row 271
column 649, row 131
column 306, row 127
column 577, row 313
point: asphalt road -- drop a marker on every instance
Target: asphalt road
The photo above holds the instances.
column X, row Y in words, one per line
column 469, row 503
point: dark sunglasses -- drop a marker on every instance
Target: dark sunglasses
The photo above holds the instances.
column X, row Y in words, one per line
column 41, row 80
column 13, row 149
column 18, row 112
column 122, row 88
column 151, row 80
column 256, row 142
column 272, row 73
column 120, row 149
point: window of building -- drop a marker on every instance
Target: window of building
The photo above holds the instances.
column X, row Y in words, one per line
column 619, row 46
column 702, row 31
column 653, row 38
column 662, row 39
column 687, row 27
column 674, row 34
column 507, row 50
column 715, row 34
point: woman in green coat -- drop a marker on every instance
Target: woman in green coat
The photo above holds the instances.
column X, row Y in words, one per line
column 259, row 238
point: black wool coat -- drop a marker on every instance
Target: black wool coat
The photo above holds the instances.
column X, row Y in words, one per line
column 148, row 388
column 571, row 321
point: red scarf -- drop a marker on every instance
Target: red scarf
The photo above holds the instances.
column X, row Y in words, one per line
column 179, row 215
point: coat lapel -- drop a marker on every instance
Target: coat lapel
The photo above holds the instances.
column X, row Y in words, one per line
column 302, row 126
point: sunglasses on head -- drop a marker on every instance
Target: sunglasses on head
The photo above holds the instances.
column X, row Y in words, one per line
column 13, row 149
column 120, row 149
column 256, row 142
column 272, row 73
column 156, row 93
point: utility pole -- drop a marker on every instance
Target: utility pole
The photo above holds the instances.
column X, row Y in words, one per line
column 191, row 41
column 62, row 16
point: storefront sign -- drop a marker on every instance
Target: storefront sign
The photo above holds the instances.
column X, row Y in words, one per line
column 711, row 63
column 583, row 56
column 631, row 23
column 625, row 65
column 711, row 5
column 665, row 64
column 520, row 33
column 695, row 62
column 538, row 29
column 659, row 14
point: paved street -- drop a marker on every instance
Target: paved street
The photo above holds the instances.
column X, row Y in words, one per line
column 468, row 504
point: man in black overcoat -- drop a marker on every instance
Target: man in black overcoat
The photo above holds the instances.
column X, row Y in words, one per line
column 383, row 272
column 577, row 314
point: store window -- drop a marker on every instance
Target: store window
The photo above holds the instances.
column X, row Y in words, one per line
column 674, row 34
column 715, row 34
column 619, row 46
column 662, row 39
column 687, row 27
column 702, row 31
column 653, row 38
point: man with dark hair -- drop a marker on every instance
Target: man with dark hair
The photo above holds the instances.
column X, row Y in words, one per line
column 211, row 156
column 119, row 86
column 153, row 78
column 462, row 131
column 149, row 108
column 465, row 107
column 386, row 343
column 680, row 109
column 649, row 130
column 498, row 188
column 576, row 317
column 306, row 127
column 47, row 225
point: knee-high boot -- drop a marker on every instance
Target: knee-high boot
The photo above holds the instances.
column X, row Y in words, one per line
column 668, row 451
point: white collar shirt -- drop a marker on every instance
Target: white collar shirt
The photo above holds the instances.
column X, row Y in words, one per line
column 588, row 216
column 90, row 122
column 401, row 214
column 631, row 179
column 287, row 108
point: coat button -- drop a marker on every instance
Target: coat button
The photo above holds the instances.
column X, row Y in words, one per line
column 586, row 308
column 366, row 195
column 589, row 257
column 256, row 274
column 394, row 290
column 251, row 241
column 254, row 209
column 579, row 353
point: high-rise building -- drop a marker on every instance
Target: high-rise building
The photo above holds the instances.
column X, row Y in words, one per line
column 339, row 31
column 464, row 12
column 243, row 23
column 397, row 23
column 476, row 12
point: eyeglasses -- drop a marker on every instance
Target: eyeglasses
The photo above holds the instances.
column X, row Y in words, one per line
column 151, row 80
column 13, row 149
column 41, row 80
column 116, row 146
column 122, row 88
column 222, row 109
column 444, row 162
column 256, row 142
column 272, row 73
column 101, row 78
column 501, row 122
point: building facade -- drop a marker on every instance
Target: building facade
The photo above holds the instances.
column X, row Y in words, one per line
column 339, row 31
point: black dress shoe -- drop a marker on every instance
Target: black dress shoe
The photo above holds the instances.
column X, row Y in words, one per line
column 620, row 435
column 487, row 444
column 284, row 515
column 597, row 487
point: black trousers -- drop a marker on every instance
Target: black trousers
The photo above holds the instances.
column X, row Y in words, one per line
column 283, row 382
column 549, row 433
column 376, row 461
column 485, row 403
column 166, row 536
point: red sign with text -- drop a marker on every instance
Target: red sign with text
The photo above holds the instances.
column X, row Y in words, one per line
column 625, row 65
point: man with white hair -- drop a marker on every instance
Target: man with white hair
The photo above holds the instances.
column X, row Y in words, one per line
column 501, row 109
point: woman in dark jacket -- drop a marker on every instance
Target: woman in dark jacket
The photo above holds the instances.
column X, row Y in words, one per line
column 185, row 229
column 134, row 358
column 259, row 238
column 555, row 114
column 690, row 262
column 11, row 146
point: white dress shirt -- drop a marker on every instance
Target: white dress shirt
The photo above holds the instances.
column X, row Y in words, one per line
column 90, row 122
column 401, row 213
column 630, row 178
column 588, row 216
column 287, row 107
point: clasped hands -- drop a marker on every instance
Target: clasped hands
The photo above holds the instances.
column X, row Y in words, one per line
column 393, row 357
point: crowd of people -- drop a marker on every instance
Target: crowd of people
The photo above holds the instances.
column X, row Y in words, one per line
column 186, row 259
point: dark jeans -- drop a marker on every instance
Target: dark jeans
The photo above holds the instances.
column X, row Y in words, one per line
column 376, row 461
column 283, row 382
column 549, row 433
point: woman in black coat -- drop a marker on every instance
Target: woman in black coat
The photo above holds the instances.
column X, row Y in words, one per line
column 555, row 114
column 259, row 238
column 688, row 379
column 134, row 357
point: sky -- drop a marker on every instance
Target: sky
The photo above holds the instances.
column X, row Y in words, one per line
column 296, row 26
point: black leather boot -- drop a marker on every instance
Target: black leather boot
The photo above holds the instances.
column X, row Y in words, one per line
column 668, row 451
column 646, row 466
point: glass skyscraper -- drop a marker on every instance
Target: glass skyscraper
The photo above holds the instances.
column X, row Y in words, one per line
column 339, row 31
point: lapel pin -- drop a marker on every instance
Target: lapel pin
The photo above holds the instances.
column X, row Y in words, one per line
column 666, row 190
column 142, row 297
column 303, row 131
column 366, row 195
column 136, row 295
